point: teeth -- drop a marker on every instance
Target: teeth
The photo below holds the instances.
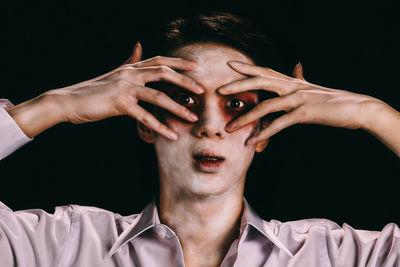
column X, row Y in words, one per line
column 209, row 158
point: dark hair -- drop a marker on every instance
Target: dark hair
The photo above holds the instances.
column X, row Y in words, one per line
column 221, row 28
column 216, row 27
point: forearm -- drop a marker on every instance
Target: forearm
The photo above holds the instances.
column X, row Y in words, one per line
column 384, row 123
column 36, row 115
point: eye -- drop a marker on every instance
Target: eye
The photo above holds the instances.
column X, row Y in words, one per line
column 236, row 104
column 185, row 99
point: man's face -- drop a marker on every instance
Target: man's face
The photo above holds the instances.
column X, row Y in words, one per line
column 188, row 164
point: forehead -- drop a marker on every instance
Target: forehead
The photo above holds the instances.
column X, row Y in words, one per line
column 212, row 60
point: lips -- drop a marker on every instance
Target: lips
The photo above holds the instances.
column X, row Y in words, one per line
column 207, row 156
column 208, row 161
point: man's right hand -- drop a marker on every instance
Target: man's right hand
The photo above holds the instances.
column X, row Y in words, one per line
column 112, row 94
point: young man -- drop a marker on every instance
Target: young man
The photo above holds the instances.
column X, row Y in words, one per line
column 208, row 122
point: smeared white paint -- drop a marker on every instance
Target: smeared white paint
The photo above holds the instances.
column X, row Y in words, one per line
column 175, row 157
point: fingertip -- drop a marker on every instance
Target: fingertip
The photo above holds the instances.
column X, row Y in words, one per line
column 231, row 127
column 235, row 63
column 199, row 89
column 252, row 141
column 190, row 63
column 172, row 135
column 223, row 90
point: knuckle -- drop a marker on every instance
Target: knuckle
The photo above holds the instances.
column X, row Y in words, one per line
column 264, row 104
column 120, row 83
column 279, row 123
column 164, row 69
column 297, row 83
column 301, row 113
column 124, row 72
column 188, row 81
column 157, row 59
column 302, row 94
column 146, row 120
column 122, row 102
column 261, row 80
column 159, row 96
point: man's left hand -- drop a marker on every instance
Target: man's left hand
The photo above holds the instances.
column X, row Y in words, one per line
column 303, row 102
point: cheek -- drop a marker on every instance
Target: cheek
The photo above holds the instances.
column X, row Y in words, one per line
column 173, row 121
column 244, row 133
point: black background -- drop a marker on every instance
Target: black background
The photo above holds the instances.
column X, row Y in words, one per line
column 307, row 170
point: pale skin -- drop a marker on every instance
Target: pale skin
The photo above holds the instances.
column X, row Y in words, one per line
column 204, row 208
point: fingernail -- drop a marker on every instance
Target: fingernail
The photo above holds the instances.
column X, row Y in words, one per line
column 235, row 63
column 231, row 126
column 192, row 64
column 138, row 44
column 192, row 116
column 198, row 88
column 251, row 141
column 172, row 135
column 224, row 90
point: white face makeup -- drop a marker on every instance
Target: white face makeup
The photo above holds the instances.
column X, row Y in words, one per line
column 184, row 164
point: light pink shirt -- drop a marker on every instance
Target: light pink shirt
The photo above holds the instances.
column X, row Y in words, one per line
column 88, row 236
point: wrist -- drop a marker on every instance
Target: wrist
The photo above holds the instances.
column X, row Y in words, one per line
column 384, row 123
column 36, row 115
column 375, row 114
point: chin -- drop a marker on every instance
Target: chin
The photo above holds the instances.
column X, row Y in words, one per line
column 205, row 192
column 207, row 185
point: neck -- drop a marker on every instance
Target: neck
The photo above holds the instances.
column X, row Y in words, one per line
column 206, row 225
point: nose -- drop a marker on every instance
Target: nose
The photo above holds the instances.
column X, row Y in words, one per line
column 211, row 123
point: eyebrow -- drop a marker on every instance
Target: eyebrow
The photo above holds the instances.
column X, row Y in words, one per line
column 177, row 88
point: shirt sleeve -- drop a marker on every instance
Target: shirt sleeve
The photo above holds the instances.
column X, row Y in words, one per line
column 11, row 135
column 352, row 247
column 33, row 237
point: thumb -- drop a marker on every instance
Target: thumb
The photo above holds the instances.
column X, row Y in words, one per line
column 298, row 71
column 136, row 55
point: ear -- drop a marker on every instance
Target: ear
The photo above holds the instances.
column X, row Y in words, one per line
column 261, row 145
column 145, row 133
column 136, row 55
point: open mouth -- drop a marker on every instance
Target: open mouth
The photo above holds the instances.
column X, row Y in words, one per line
column 208, row 157
column 211, row 159
column 208, row 161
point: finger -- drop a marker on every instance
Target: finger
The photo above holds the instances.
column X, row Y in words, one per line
column 136, row 55
column 283, row 103
column 271, row 84
column 172, row 62
column 148, row 120
column 166, row 74
column 160, row 99
column 253, row 70
column 298, row 71
column 276, row 126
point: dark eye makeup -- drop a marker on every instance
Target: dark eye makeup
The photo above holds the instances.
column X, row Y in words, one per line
column 236, row 104
column 185, row 99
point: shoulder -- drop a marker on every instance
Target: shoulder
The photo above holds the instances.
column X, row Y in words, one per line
column 343, row 245
column 329, row 228
column 302, row 227
column 63, row 216
column 95, row 214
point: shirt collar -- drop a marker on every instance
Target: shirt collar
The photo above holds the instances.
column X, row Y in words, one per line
column 149, row 218
column 250, row 217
